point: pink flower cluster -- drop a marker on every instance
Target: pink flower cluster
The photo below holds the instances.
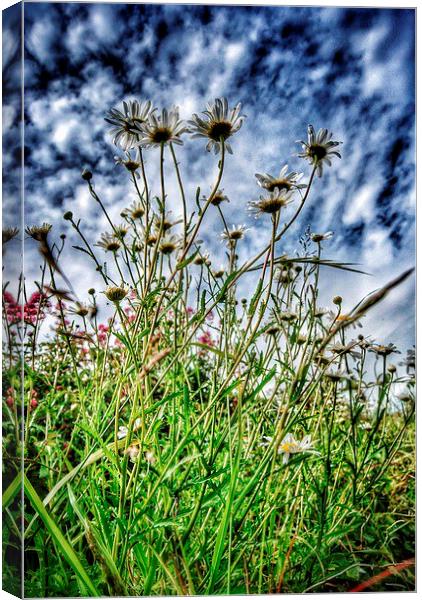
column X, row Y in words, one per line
column 33, row 403
column 102, row 334
column 10, row 397
column 130, row 313
column 33, row 310
column 206, row 339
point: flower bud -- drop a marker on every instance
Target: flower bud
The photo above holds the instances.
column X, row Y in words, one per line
column 337, row 300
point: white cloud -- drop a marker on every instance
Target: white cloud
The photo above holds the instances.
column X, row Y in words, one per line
column 361, row 204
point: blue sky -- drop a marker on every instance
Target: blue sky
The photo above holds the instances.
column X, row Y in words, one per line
column 350, row 70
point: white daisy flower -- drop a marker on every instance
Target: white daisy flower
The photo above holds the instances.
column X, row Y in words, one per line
column 319, row 148
column 163, row 129
column 218, row 124
column 284, row 182
column 237, row 232
column 321, row 237
column 169, row 244
column 124, row 124
column 270, row 204
column 123, row 431
column 289, row 445
column 218, row 198
column 129, row 162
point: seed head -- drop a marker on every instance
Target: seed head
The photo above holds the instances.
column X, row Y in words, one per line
column 115, row 294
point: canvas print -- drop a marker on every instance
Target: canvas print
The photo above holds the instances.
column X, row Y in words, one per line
column 208, row 299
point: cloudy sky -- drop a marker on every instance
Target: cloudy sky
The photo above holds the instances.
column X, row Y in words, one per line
column 350, row 70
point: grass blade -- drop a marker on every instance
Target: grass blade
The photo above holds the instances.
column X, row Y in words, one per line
column 68, row 553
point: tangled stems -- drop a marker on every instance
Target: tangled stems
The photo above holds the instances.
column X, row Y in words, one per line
column 209, row 431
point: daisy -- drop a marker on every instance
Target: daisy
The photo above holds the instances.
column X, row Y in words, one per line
column 80, row 309
column 410, row 361
column 125, row 124
column 237, row 232
column 218, row 124
column 320, row 311
column 9, row 233
column 319, row 148
column 109, row 242
column 336, row 375
column 340, row 349
column 165, row 223
column 218, row 273
column 39, row 233
column 135, row 210
column 271, row 204
column 123, row 430
column 163, row 129
column 217, row 199
column 287, row 316
column 285, row 181
column 382, row 350
column 285, row 276
column 272, row 330
column 169, row 244
column 289, row 445
column 321, row 237
column 120, row 231
column 202, row 259
column 129, row 163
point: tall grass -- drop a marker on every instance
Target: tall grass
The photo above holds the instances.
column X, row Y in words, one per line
column 197, row 441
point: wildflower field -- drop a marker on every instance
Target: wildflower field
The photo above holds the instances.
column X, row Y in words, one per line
column 178, row 438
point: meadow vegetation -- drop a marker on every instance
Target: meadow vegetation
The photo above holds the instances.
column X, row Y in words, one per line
column 195, row 441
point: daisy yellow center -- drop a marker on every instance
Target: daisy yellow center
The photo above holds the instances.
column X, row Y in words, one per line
column 236, row 234
column 137, row 213
column 271, row 205
column 131, row 165
column 161, row 135
column 167, row 247
column 281, row 184
column 113, row 246
column 218, row 199
column 318, row 152
column 219, row 129
column 287, row 447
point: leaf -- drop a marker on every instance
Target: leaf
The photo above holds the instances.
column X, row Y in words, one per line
column 209, row 348
column 315, row 261
column 187, row 261
column 81, row 249
column 67, row 551
column 12, row 490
